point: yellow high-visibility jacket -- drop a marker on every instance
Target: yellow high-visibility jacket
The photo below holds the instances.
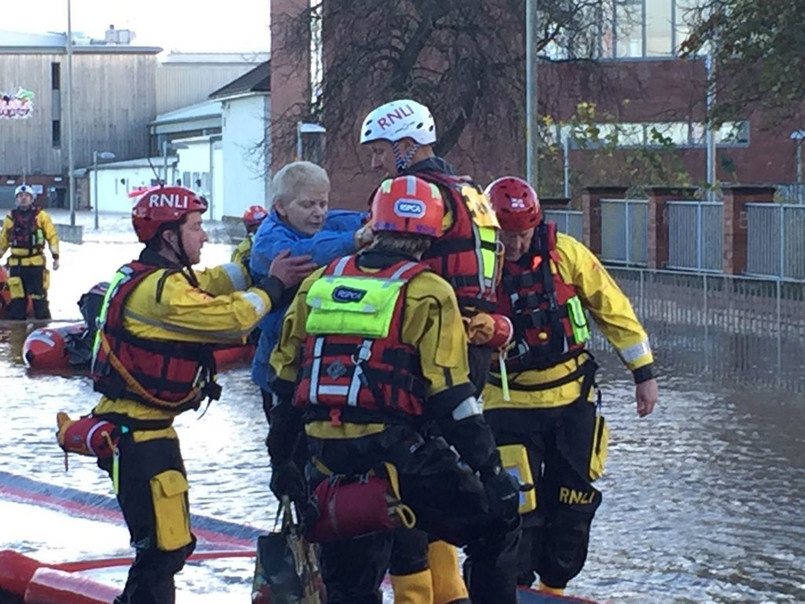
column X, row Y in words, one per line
column 221, row 310
column 23, row 256
column 612, row 312
column 243, row 251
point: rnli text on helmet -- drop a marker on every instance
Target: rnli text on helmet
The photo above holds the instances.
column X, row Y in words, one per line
column 174, row 200
column 398, row 114
column 409, row 208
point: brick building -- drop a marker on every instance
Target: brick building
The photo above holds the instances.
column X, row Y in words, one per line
column 640, row 88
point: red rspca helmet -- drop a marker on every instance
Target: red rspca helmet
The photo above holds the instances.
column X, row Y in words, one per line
column 253, row 217
column 408, row 204
column 163, row 205
column 515, row 202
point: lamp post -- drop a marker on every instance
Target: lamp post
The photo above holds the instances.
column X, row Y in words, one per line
column 531, row 91
column 70, row 159
column 96, row 155
column 797, row 136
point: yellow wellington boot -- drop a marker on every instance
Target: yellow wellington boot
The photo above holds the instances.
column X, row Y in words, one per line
column 448, row 585
column 415, row 588
column 557, row 591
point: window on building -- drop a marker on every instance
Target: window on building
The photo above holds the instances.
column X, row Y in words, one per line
column 729, row 134
column 55, row 134
column 316, row 52
column 733, row 133
column 659, row 28
column 55, row 76
column 638, row 134
column 630, row 135
column 685, row 14
column 658, row 133
column 629, row 28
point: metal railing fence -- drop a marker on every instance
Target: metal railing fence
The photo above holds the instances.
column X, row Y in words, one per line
column 624, row 231
column 567, row 221
column 695, row 235
column 720, row 327
column 776, row 240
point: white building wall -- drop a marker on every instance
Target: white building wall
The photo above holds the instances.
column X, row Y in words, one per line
column 114, row 185
column 246, row 167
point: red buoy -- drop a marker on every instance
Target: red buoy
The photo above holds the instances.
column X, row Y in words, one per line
column 51, row 586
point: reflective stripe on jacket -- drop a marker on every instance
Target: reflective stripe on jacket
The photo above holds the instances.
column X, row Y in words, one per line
column 601, row 297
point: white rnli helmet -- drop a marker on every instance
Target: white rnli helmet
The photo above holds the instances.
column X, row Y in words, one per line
column 24, row 189
column 397, row 120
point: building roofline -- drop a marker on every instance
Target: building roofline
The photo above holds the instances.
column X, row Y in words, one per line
column 81, row 50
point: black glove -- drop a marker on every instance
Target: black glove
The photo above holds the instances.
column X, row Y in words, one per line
column 502, row 491
column 286, row 479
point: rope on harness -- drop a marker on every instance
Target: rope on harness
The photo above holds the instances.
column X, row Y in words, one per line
column 136, row 387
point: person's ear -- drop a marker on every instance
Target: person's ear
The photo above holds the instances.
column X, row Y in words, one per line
column 279, row 206
column 170, row 238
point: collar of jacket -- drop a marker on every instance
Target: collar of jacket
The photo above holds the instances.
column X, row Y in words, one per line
column 275, row 221
column 152, row 258
column 431, row 164
column 380, row 260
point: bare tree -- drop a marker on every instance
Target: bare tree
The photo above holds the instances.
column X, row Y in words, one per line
column 465, row 59
column 758, row 50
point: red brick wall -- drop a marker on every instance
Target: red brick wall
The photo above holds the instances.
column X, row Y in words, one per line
column 632, row 90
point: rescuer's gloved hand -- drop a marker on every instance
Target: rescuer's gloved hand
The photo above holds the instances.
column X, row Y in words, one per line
column 492, row 330
column 502, row 491
column 286, row 479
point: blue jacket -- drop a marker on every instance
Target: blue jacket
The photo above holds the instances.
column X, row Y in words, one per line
column 336, row 239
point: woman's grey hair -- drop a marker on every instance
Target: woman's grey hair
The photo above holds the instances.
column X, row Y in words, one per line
column 294, row 178
column 401, row 243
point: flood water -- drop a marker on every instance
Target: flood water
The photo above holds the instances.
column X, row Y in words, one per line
column 701, row 499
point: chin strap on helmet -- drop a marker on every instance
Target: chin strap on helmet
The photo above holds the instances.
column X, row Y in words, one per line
column 181, row 254
column 402, row 161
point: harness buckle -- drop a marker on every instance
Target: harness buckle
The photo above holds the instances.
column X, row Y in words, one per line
column 364, row 353
column 335, row 417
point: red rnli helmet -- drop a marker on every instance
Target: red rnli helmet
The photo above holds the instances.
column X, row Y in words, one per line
column 163, row 205
column 253, row 217
column 408, row 204
column 516, row 203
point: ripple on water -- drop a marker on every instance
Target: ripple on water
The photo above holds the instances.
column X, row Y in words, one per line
column 700, row 500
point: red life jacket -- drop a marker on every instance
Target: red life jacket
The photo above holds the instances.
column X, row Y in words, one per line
column 537, row 301
column 26, row 233
column 470, row 263
column 357, row 378
column 170, row 376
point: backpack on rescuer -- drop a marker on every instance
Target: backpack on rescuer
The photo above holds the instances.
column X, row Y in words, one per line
column 469, row 254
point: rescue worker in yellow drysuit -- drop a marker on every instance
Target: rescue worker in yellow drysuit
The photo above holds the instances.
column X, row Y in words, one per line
column 400, row 136
column 152, row 360
column 541, row 401
column 25, row 230
column 372, row 349
column 253, row 217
